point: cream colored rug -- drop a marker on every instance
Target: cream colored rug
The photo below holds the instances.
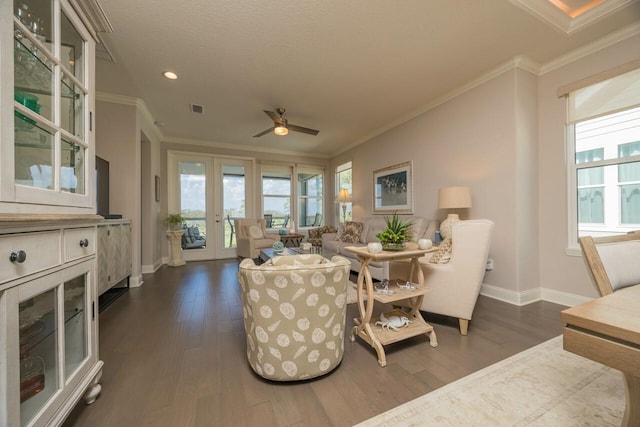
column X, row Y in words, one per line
column 542, row 386
column 352, row 293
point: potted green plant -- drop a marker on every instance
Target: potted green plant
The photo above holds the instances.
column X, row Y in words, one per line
column 397, row 233
column 175, row 221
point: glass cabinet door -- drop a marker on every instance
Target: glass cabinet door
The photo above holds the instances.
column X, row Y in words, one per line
column 50, row 98
column 53, row 340
column 38, row 354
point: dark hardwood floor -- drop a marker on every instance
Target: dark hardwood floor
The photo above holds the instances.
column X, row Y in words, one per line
column 174, row 354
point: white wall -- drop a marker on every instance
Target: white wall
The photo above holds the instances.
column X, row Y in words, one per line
column 120, row 124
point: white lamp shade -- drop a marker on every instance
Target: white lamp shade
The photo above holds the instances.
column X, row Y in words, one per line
column 344, row 196
column 454, row 198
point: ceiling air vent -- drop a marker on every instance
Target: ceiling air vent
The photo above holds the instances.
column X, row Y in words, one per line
column 198, row 109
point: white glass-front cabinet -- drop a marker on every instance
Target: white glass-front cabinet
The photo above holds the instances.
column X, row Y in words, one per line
column 48, row 299
column 50, row 78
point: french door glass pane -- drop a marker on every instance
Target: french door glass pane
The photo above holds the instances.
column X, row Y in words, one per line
column 38, row 355
column 233, row 183
column 75, row 322
column 193, row 203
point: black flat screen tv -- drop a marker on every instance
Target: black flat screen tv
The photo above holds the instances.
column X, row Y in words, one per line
column 102, row 187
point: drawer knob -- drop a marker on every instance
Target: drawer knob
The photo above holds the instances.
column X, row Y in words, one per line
column 18, row 257
column 84, row 243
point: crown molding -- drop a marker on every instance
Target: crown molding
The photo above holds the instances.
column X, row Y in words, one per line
column 546, row 11
column 248, row 149
column 93, row 14
column 588, row 49
column 518, row 62
column 131, row 101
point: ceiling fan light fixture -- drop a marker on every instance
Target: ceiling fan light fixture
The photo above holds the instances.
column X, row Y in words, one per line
column 281, row 130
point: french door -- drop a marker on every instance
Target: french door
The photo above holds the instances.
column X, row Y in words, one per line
column 210, row 192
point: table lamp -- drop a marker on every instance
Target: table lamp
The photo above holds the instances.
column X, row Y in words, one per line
column 344, row 197
column 452, row 198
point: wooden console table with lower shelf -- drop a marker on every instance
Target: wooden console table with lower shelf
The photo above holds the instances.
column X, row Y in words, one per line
column 607, row 330
column 366, row 327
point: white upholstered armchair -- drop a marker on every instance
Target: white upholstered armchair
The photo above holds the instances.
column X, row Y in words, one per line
column 251, row 235
column 455, row 285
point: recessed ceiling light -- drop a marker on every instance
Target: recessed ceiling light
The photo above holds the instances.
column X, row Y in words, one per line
column 170, row 75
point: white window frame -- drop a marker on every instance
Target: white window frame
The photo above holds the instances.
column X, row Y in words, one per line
column 573, row 247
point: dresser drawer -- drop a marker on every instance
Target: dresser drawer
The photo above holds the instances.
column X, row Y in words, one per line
column 79, row 242
column 32, row 252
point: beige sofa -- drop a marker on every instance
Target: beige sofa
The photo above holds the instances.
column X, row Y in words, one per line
column 294, row 310
column 455, row 284
column 422, row 228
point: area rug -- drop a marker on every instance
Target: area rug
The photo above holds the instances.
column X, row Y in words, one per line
column 352, row 293
column 541, row 386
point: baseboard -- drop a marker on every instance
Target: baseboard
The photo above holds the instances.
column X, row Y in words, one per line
column 136, row 281
column 563, row 298
column 532, row 295
column 150, row 269
column 512, row 297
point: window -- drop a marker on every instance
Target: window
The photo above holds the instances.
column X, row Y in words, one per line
column 310, row 190
column 276, row 196
column 604, row 158
column 343, row 181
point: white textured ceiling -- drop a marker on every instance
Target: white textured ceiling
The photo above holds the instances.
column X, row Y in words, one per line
column 350, row 68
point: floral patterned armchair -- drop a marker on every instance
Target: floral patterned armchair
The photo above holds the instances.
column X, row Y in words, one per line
column 294, row 310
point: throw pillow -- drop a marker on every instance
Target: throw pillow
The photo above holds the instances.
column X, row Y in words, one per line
column 443, row 254
column 255, row 232
column 351, row 232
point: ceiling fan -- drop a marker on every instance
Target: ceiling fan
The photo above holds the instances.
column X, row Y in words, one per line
column 281, row 126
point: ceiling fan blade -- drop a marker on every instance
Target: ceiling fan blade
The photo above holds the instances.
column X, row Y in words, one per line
column 264, row 132
column 303, row 129
column 274, row 116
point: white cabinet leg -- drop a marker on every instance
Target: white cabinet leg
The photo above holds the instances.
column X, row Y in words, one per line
column 93, row 390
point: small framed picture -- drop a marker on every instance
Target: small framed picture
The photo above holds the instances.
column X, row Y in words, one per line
column 157, row 182
column 393, row 189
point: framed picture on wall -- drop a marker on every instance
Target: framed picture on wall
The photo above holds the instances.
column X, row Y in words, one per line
column 393, row 189
column 157, row 182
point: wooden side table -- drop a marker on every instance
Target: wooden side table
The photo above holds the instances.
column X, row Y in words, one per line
column 366, row 328
column 291, row 240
